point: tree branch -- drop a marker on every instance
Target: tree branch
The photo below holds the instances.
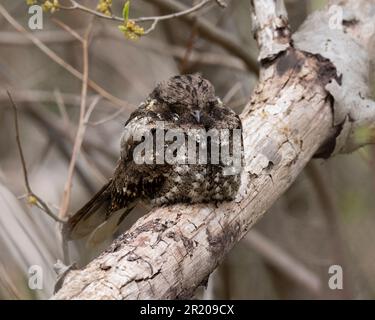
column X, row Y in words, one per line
column 171, row 251
column 270, row 27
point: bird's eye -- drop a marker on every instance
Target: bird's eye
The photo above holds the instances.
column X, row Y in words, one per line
column 173, row 108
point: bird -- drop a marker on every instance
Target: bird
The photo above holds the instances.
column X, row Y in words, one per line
column 184, row 104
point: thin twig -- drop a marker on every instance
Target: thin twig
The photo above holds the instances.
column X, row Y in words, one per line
column 83, row 117
column 171, row 16
column 77, row 6
column 232, row 92
column 62, row 108
column 41, row 96
column 68, row 29
column 91, row 165
column 106, row 119
column 16, row 125
column 174, row 15
column 46, row 36
column 31, row 195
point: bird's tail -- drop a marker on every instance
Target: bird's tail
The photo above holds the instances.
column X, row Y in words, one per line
column 85, row 220
column 97, row 217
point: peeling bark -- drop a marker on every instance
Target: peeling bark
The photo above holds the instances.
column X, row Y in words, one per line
column 270, row 27
column 171, row 251
column 344, row 35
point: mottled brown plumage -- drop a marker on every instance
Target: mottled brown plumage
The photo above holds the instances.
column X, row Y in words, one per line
column 183, row 102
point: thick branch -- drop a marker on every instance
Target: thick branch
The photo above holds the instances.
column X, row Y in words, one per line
column 270, row 27
column 173, row 250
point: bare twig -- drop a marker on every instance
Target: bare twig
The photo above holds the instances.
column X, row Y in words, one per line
column 40, row 96
column 83, row 117
column 171, row 16
column 232, row 92
column 68, row 29
column 16, row 125
column 32, row 197
column 106, row 119
column 46, row 36
column 96, row 172
column 62, row 108
column 77, row 6
column 178, row 14
column 76, row 149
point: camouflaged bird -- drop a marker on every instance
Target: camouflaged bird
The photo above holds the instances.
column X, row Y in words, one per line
column 186, row 103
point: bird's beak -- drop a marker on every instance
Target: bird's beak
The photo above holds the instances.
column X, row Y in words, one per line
column 197, row 115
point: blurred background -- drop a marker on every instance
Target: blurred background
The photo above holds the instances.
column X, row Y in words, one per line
column 326, row 218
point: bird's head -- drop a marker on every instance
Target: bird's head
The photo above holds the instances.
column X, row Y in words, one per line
column 186, row 96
